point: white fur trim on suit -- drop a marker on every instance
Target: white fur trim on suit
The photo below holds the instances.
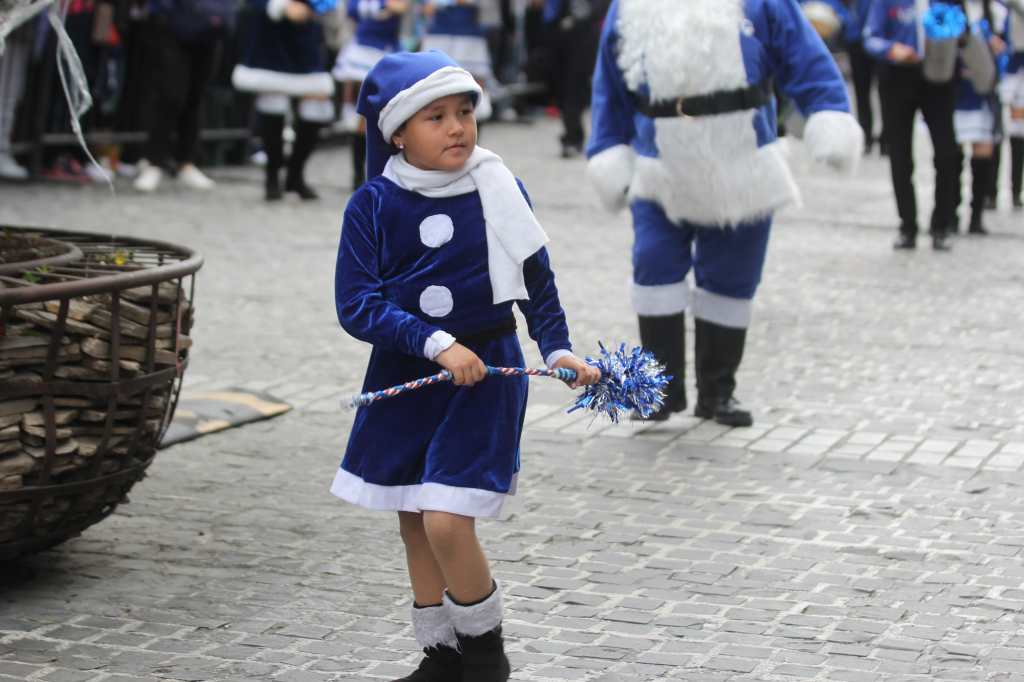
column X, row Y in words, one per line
column 707, row 60
column 275, row 9
column 477, row 619
column 419, row 497
column 610, row 172
column 316, row 110
column 712, row 173
column 834, row 138
column 450, row 80
column 722, row 310
column 556, row 355
column 432, row 627
column 271, row 103
column 248, row 79
column 661, row 299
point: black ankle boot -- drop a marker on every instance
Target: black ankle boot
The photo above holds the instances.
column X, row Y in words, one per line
column 665, row 337
column 439, row 664
column 483, row 657
column 717, row 357
column 306, row 136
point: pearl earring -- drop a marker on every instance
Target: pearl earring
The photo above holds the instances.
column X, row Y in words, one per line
column 401, row 146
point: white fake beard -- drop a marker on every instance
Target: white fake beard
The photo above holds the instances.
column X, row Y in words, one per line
column 682, row 47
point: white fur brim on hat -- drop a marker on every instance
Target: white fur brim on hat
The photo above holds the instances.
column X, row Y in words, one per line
column 450, row 80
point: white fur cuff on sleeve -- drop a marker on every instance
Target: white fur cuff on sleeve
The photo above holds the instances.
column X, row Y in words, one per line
column 611, row 172
column 275, row 9
column 834, row 138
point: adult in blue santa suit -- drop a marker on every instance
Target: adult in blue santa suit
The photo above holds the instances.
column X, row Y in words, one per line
column 684, row 132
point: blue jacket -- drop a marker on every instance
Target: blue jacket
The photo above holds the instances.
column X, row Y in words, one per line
column 374, row 27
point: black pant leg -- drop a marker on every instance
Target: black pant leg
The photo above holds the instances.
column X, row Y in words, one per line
column 578, row 70
column 1016, row 165
column 900, row 91
column 937, row 105
column 202, row 58
column 863, row 68
column 168, row 82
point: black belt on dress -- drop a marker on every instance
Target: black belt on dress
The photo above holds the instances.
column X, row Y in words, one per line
column 502, row 329
column 721, row 102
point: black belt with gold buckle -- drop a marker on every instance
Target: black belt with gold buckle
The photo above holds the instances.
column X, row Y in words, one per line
column 721, row 102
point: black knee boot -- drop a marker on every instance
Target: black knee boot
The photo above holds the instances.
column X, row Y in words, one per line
column 271, row 128
column 717, row 357
column 306, row 136
column 981, row 170
column 358, row 160
column 478, row 628
column 1016, row 169
column 992, row 193
column 434, row 631
column 665, row 337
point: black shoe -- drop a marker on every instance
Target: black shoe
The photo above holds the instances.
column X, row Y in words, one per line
column 1017, row 204
column 976, row 226
column 305, row 192
column 571, row 151
column 990, row 203
column 483, row 657
column 439, row 664
column 905, row 242
column 940, row 243
column 727, row 412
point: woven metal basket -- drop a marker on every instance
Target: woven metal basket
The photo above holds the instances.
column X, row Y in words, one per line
column 93, row 346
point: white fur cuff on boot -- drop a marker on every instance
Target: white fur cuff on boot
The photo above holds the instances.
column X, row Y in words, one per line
column 611, row 172
column 433, row 627
column 834, row 138
column 476, row 619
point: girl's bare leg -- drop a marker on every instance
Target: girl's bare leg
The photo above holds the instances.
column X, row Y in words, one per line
column 459, row 556
column 424, row 573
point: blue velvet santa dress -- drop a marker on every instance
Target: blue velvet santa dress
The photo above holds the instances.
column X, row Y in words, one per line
column 409, row 266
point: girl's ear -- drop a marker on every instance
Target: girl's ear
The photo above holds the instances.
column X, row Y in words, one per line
column 396, row 138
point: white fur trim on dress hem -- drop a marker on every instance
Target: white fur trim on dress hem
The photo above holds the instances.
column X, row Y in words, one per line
column 469, row 52
column 722, row 310
column 834, row 138
column 610, row 172
column 248, row 79
column 419, row 497
column 450, row 80
column 355, row 62
column 661, row 299
column 476, row 619
column 432, row 627
column 975, row 126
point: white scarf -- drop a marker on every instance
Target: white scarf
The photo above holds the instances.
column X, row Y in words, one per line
column 513, row 233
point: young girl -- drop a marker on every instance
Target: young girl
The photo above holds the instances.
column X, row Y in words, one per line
column 378, row 23
column 455, row 30
column 435, row 248
column 284, row 60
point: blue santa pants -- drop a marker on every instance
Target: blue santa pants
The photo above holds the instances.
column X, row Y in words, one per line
column 727, row 265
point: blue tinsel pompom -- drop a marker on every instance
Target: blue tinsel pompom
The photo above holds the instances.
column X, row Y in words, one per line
column 944, row 22
column 631, row 381
column 323, row 6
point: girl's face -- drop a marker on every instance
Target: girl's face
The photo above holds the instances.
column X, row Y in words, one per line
column 441, row 135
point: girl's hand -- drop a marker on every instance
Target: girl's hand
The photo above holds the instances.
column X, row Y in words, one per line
column 585, row 374
column 466, row 367
column 997, row 44
column 298, row 12
column 396, row 7
column 903, row 54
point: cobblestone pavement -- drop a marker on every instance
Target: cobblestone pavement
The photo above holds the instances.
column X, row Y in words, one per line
column 869, row 527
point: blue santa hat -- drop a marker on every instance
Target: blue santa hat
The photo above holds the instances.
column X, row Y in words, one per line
column 396, row 88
